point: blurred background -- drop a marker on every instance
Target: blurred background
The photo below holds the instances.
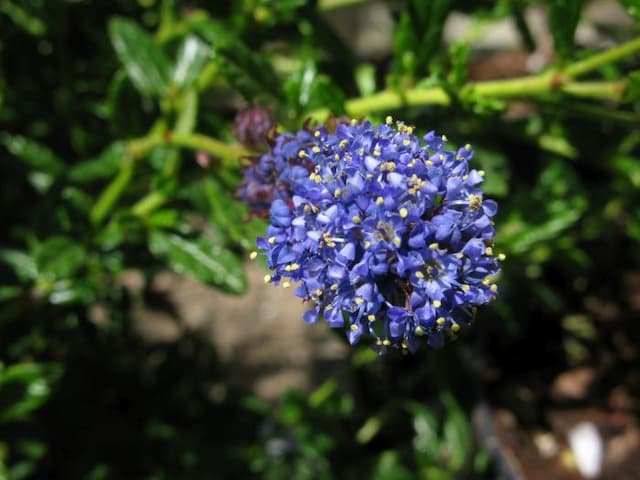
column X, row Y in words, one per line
column 137, row 341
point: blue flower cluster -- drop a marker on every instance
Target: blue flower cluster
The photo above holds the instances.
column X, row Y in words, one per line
column 272, row 175
column 385, row 235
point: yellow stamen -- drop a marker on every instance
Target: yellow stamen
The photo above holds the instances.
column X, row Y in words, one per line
column 253, row 255
column 419, row 331
column 437, row 303
column 433, row 246
column 286, row 284
column 441, row 321
column 272, row 240
column 354, row 327
column 356, row 219
column 488, row 251
column 502, row 257
column 465, row 288
column 267, row 278
column 403, row 212
column 419, row 275
column 388, row 120
column 455, row 328
column 371, row 318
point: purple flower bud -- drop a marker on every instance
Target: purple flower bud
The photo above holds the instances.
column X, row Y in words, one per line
column 252, row 126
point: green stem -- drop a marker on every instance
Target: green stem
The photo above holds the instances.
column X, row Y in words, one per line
column 599, row 59
column 595, row 90
column 114, row 190
column 148, row 204
column 327, row 5
column 209, row 145
column 137, row 149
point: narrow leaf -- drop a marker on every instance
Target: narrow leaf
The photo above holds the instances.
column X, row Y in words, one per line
column 201, row 259
column 142, row 58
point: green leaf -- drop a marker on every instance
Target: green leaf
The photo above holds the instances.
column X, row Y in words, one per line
column 143, row 59
column 564, row 16
column 456, row 433
column 248, row 71
column 103, row 166
column 24, row 387
column 632, row 7
column 307, row 90
column 44, row 165
column 201, row 259
column 426, row 441
column 193, row 54
column 418, row 35
column 23, row 265
column 23, row 18
column 59, row 257
column 366, row 79
column 495, row 165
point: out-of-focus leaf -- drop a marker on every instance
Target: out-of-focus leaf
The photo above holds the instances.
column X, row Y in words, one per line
column 9, row 292
column 23, row 18
column 59, row 257
column 456, row 433
column 369, row 430
column 24, row 387
column 104, row 165
column 321, row 394
column 366, row 79
column 308, row 90
column 67, row 292
column 629, row 167
column 496, row 168
column 563, row 17
column 632, row 89
column 43, row 164
column 142, row 58
column 390, row 466
column 561, row 202
column 632, row 7
column 192, row 55
column 199, row 258
column 22, row 264
column 418, row 35
column 426, row 442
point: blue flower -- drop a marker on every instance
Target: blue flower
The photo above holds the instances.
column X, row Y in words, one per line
column 388, row 237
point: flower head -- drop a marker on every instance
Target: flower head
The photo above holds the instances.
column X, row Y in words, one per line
column 387, row 236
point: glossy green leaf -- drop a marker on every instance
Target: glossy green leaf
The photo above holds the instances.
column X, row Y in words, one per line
column 201, row 259
column 143, row 59
column 192, row 55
